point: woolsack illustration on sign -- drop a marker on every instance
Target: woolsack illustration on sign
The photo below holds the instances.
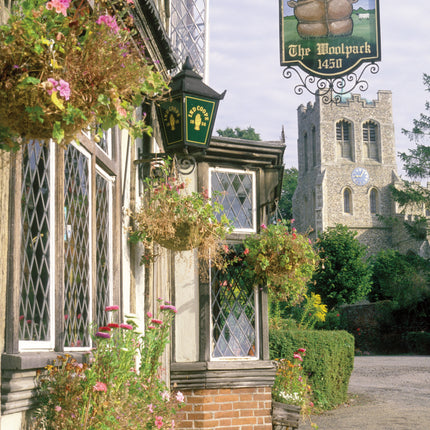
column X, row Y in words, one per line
column 321, row 18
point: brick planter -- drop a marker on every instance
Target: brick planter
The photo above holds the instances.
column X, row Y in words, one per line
column 226, row 408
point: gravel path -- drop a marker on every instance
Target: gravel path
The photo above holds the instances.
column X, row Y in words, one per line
column 386, row 392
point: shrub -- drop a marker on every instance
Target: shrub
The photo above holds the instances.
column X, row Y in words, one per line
column 418, row 342
column 329, row 361
column 343, row 276
column 401, row 278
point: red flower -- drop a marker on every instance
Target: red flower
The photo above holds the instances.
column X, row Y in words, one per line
column 246, row 252
column 104, row 329
column 112, row 308
column 113, row 325
column 126, row 326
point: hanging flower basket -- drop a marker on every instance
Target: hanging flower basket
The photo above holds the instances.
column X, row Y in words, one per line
column 178, row 220
column 66, row 67
column 282, row 260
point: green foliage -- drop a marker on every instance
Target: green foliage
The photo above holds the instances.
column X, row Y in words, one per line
column 401, row 278
column 247, row 134
column 343, row 276
column 68, row 66
column 418, row 342
column 121, row 388
column 289, row 185
column 329, row 361
column 281, row 259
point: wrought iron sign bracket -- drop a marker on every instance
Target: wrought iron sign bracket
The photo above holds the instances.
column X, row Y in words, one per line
column 149, row 163
column 330, row 90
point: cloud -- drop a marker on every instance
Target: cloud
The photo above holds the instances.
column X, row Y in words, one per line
column 244, row 60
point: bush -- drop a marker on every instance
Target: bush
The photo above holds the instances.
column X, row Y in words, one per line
column 329, row 361
column 343, row 275
column 401, row 278
column 418, row 342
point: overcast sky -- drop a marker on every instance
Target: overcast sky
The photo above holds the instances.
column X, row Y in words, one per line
column 244, row 60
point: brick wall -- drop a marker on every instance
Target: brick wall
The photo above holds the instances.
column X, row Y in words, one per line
column 227, row 408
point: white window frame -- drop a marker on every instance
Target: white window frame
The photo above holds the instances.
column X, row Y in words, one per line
column 254, row 194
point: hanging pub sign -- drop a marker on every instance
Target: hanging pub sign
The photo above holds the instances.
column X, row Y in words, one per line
column 329, row 38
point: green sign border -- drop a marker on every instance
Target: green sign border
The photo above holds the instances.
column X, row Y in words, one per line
column 340, row 53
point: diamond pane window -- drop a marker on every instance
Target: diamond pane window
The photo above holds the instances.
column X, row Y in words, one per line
column 105, row 142
column 77, row 279
column 234, row 313
column 103, row 258
column 35, row 308
column 188, row 32
column 235, row 191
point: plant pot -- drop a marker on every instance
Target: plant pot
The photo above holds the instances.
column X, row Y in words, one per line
column 285, row 416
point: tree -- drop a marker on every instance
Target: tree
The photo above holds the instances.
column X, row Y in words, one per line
column 289, row 185
column 416, row 163
column 343, row 276
column 238, row 133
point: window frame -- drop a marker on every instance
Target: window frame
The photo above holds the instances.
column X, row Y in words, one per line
column 254, row 193
column 367, row 141
column 342, row 142
column 373, row 201
column 98, row 162
column 347, row 202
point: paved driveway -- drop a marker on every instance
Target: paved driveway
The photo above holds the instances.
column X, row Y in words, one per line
column 387, row 393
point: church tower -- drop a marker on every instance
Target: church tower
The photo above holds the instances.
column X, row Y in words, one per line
column 347, row 161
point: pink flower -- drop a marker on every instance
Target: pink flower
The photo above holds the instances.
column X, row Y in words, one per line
column 180, row 397
column 292, row 220
column 126, row 326
column 112, row 308
column 151, row 408
column 263, row 226
column 63, row 88
column 110, row 21
column 100, row 386
column 165, row 395
column 157, row 321
column 21, row 317
column 298, row 356
column 60, row 6
column 301, row 350
column 54, row 84
column 58, row 408
column 173, row 425
column 294, row 236
column 159, row 422
column 103, row 334
column 246, row 252
column 149, row 315
column 169, row 308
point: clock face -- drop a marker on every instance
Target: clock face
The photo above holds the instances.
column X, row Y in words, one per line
column 360, row 176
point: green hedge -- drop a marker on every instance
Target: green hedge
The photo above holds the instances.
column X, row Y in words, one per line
column 329, row 360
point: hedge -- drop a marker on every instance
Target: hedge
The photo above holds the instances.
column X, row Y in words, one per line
column 329, row 360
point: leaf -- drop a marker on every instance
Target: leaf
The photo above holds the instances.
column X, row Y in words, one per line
column 57, row 101
column 57, row 132
column 29, row 80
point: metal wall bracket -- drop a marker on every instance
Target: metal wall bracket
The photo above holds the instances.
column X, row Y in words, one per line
column 331, row 90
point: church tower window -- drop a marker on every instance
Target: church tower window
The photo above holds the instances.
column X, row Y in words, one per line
column 314, row 147
column 370, row 140
column 343, row 138
column 374, row 200
column 306, row 146
column 347, row 201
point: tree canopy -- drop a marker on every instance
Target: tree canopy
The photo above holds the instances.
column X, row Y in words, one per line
column 289, row 185
column 248, row 133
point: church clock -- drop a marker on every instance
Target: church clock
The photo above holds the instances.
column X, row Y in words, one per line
column 360, row 176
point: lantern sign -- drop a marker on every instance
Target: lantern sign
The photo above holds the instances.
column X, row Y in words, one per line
column 188, row 116
column 329, row 38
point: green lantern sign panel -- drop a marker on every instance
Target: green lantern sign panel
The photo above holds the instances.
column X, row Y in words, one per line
column 198, row 120
column 329, row 38
column 171, row 121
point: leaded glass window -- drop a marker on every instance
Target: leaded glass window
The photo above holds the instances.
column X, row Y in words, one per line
column 234, row 306
column 235, row 191
column 103, row 237
column 373, row 201
column 35, row 308
column 77, row 276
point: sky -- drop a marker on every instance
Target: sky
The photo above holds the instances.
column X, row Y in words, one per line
column 244, row 59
